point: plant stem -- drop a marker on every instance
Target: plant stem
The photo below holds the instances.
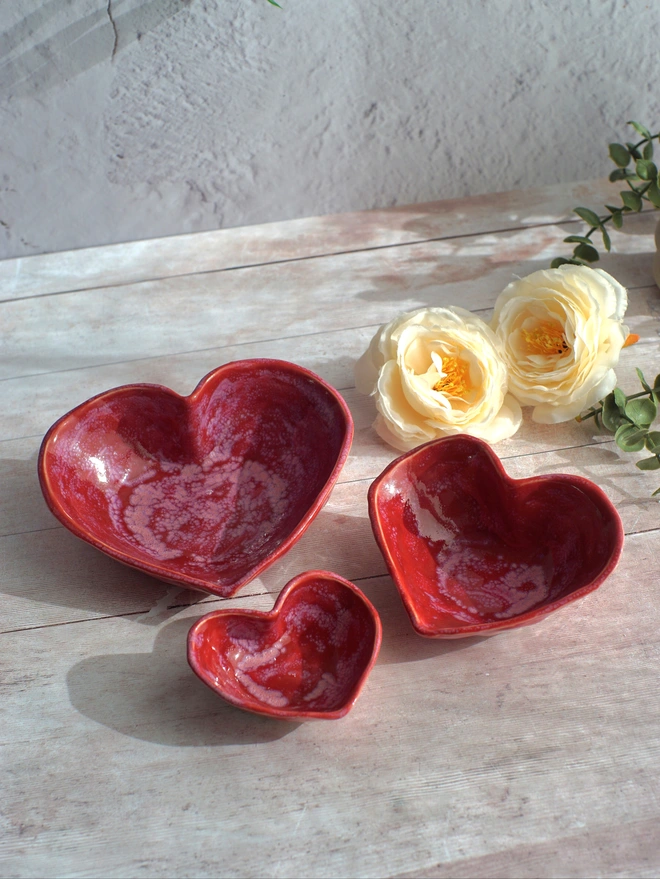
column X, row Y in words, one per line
column 595, row 412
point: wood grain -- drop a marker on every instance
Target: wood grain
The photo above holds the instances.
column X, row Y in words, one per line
column 533, row 753
column 344, row 291
column 462, row 749
column 50, row 577
column 97, row 267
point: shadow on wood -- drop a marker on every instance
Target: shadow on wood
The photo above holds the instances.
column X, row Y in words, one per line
column 157, row 698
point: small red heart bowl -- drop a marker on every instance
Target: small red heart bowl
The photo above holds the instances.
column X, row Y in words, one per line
column 473, row 551
column 206, row 490
column 307, row 659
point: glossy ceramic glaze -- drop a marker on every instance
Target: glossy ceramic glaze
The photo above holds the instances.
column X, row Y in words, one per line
column 473, row 551
column 308, row 658
column 205, row 490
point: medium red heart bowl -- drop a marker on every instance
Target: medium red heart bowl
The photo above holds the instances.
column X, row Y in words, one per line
column 473, row 551
column 207, row 490
column 307, row 659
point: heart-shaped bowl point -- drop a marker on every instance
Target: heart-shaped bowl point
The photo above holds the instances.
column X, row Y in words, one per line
column 473, row 551
column 307, row 659
column 206, row 490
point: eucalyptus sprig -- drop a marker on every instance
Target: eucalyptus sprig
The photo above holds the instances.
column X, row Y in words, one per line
column 643, row 185
column 630, row 418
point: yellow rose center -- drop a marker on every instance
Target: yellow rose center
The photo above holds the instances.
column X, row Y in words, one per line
column 547, row 337
column 456, row 380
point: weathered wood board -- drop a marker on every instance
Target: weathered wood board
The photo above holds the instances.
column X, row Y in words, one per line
column 533, row 753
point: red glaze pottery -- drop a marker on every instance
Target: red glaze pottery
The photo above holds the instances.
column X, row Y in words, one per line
column 308, row 658
column 473, row 551
column 207, row 490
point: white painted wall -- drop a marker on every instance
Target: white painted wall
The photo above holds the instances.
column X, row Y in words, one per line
column 125, row 119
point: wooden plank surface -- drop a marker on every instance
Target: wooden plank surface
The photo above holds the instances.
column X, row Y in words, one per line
column 97, row 267
column 215, row 309
column 533, row 753
column 116, row 755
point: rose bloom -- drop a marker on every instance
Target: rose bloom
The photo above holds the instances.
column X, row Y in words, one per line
column 562, row 333
column 435, row 372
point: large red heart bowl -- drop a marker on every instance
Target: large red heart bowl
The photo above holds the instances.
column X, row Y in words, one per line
column 307, row 659
column 473, row 551
column 207, row 490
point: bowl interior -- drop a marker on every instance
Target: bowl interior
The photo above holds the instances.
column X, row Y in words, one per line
column 469, row 546
column 201, row 489
column 309, row 657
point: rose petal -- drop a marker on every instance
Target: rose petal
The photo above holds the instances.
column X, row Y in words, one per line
column 504, row 425
column 400, row 417
column 589, row 306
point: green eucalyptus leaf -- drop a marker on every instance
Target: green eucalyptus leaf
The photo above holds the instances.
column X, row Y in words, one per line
column 577, row 239
column 647, row 152
column 632, row 200
column 586, row 252
column 634, row 152
column 617, row 174
column 657, row 491
column 653, row 193
column 641, row 412
column 656, row 382
column 617, row 219
column 640, row 129
column 646, row 170
column 653, row 440
column 649, row 463
column 644, row 383
column 619, row 155
column 620, row 399
column 606, row 239
column 563, row 261
column 612, row 416
column 588, row 216
column 630, row 438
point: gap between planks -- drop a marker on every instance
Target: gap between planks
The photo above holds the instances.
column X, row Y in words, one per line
column 641, row 288
column 211, row 599
column 265, row 341
column 282, row 261
column 268, row 243
column 113, row 328
column 367, row 480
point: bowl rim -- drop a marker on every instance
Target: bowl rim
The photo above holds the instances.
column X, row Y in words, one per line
column 534, row 614
column 77, row 528
column 291, row 587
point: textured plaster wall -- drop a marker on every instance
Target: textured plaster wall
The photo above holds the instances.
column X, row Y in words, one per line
column 125, row 119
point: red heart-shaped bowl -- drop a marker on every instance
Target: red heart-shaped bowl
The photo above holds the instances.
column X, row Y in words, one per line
column 207, row 490
column 308, row 658
column 473, row 551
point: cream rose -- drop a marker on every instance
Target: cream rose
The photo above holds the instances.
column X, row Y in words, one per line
column 434, row 372
column 562, row 333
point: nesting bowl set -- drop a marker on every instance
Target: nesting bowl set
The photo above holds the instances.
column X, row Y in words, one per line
column 208, row 490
